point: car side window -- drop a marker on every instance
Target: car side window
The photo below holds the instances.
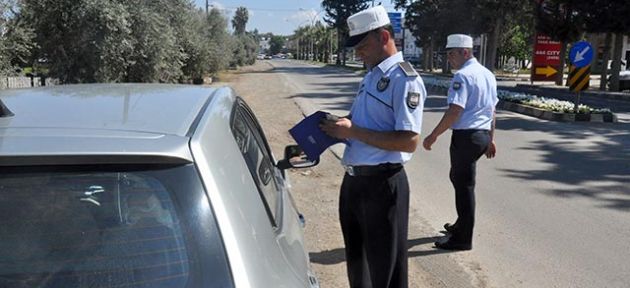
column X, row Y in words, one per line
column 259, row 162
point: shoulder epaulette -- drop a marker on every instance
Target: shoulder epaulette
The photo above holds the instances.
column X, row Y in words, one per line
column 408, row 69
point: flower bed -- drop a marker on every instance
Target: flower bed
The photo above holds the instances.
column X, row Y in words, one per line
column 534, row 102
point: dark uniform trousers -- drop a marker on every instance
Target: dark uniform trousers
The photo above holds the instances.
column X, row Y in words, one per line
column 467, row 146
column 373, row 211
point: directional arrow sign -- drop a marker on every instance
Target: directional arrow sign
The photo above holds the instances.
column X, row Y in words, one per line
column 546, row 58
column 547, row 71
column 581, row 54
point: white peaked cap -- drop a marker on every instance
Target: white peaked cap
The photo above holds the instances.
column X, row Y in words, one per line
column 366, row 21
column 459, row 41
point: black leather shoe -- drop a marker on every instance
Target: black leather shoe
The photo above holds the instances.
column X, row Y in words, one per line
column 450, row 227
column 453, row 245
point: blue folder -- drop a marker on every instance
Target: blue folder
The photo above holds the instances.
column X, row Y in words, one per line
column 310, row 138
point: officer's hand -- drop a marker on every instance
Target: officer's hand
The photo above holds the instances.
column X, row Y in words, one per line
column 428, row 141
column 492, row 150
column 340, row 129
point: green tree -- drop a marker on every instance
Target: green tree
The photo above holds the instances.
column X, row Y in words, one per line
column 495, row 18
column 431, row 21
column 218, row 42
column 610, row 17
column 157, row 55
column 16, row 38
column 276, row 44
column 300, row 36
column 80, row 39
column 244, row 44
column 319, row 42
column 251, row 48
column 516, row 43
column 116, row 40
column 195, row 46
column 337, row 13
column 239, row 22
column 244, row 48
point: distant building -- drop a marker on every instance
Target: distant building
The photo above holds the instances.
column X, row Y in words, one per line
column 263, row 45
column 411, row 52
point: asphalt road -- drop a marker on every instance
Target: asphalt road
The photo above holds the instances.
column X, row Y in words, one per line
column 552, row 209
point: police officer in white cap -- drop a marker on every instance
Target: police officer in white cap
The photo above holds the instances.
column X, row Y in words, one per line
column 472, row 98
column 382, row 132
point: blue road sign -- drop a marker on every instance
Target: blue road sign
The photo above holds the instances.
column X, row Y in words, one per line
column 396, row 19
column 581, row 54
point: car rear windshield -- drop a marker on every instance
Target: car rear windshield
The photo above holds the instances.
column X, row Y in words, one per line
column 108, row 227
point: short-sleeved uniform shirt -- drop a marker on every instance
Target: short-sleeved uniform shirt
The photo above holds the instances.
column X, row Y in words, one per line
column 388, row 100
column 473, row 88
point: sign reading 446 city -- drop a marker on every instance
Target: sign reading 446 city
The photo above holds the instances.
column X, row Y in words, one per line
column 546, row 62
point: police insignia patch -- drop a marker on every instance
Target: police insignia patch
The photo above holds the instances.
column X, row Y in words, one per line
column 457, row 85
column 413, row 99
column 382, row 84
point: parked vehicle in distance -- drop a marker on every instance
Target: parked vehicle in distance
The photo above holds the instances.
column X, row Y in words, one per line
column 144, row 185
column 624, row 80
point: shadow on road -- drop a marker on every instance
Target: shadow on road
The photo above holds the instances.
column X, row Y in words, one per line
column 336, row 256
column 587, row 153
column 328, row 257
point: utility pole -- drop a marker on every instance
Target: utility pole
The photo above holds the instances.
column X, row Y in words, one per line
column 206, row 8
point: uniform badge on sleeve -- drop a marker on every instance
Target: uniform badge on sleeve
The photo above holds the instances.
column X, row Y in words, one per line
column 457, row 85
column 413, row 100
column 382, row 84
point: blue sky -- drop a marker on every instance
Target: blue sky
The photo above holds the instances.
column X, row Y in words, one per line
column 280, row 17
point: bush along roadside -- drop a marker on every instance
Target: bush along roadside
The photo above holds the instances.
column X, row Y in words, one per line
column 533, row 105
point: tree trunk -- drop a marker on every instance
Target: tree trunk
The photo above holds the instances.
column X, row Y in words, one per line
column 341, row 53
column 493, row 42
column 560, row 74
column 605, row 57
column 594, row 40
column 445, row 65
column 616, row 63
column 429, row 64
column 427, row 59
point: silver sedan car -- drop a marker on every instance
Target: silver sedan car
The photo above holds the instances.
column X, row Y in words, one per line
column 144, row 185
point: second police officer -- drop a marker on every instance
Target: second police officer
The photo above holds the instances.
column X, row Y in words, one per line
column 472, row 98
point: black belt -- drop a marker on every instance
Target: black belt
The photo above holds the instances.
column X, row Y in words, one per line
column 371, row 170
column 469, row 131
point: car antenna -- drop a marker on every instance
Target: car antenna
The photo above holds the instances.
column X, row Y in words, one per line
column 4, row 111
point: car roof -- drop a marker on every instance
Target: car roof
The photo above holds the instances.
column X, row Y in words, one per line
column 153, row 108
column 103, row 119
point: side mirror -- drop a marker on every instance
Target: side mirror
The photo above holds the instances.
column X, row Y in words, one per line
column 294, row 157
